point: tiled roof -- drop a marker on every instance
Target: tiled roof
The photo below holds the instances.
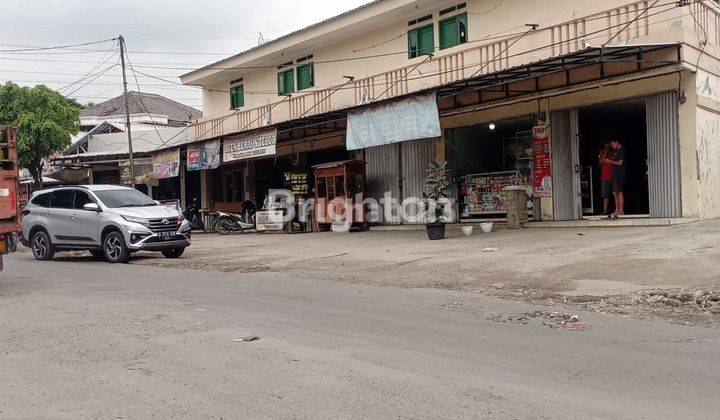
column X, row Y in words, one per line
column 156, row 105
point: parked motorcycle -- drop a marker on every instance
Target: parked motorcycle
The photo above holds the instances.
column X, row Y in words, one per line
column 226, row 222
column 193, row 216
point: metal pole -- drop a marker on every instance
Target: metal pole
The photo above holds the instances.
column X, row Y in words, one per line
column 127, row 111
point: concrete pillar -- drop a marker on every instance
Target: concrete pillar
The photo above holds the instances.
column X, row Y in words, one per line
column 516, row 203
column 204, row 190
column 182, row 186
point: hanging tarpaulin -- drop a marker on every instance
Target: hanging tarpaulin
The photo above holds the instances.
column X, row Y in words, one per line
column 166, row 164
column 203, row 156
column 394, row 122
column 249, row 146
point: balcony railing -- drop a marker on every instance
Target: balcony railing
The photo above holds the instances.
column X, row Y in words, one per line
column 623, row 24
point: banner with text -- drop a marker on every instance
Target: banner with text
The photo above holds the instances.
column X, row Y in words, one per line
column 250, row 146
column 166, row 164
column 203, row 156
column 542, row 162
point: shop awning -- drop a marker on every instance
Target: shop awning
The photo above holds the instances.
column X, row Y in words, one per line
column 587, row 65
column 407, row 119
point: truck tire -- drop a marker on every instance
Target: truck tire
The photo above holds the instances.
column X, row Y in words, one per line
column 116, row 252
column 42, row 248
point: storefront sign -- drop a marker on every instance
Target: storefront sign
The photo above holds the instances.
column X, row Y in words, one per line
column 542, row 162
column 250, row 146
column 166, row 164
column 271, row 220
column 394, row 122
column 203, row 156
column 143, row 171
column 483, row 192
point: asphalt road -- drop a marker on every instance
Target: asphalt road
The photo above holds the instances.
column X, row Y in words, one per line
column 84, row 339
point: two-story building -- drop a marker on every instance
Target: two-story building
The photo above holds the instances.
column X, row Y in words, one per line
column 399, row 83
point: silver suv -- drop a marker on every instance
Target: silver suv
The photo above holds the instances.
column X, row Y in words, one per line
column 109, row 221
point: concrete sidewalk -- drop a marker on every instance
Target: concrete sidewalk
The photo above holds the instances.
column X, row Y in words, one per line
column 603, row 269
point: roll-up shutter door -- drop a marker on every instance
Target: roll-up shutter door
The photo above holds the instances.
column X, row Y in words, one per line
column 563, row 129
column 383, row 173
column 416, row 156
column 663, row 155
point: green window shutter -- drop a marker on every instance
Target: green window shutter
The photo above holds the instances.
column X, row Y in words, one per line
column 286, row 84
column 463, row 28
column 421, row 41
column 426, row 40
column 290, row 81
column 453, row 31
column 413, row 43
column 305, row 76
column 237, row 97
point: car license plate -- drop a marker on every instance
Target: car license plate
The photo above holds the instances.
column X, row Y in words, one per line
column 167, row 235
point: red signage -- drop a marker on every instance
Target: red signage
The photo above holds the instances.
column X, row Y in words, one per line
column 542, row 162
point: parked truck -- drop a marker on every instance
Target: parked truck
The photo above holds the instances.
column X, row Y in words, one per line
column 9, row 188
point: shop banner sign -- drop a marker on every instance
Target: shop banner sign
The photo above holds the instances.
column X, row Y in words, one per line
column 250, row 146
column 269, row 220
column 166, row 164
column 407, row 119
column 203, row 156
column 542, row 162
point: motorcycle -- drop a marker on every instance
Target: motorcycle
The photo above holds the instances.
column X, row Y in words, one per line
column 193, row 216
column 226, row 222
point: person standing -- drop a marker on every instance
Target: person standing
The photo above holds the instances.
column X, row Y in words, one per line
column 619, row 173
column 606, row 171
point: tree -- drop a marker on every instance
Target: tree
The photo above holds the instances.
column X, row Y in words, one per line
column 46, row 122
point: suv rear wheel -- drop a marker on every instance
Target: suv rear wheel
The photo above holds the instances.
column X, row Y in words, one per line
column 173, row 253
column 41, row 246
column 115, row 249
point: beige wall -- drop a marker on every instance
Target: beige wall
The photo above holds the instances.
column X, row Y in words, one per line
column 486, row 25
column 708, row 144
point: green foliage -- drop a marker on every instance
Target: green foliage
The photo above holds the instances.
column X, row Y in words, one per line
column 46, row 122
column 437, row 187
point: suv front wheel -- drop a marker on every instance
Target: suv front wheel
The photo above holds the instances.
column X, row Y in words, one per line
column 41, row 246
column 115, row 249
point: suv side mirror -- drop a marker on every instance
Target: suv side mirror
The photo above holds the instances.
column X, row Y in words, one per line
column 92, row 207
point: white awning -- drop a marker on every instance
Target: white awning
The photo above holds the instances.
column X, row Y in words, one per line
column 394, row 122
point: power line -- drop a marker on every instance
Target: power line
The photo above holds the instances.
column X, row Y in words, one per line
column 196, row 66
column 95, row 67
column 58, row 47
column 88, row 82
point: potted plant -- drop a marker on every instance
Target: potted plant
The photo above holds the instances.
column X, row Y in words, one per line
column 437, row 187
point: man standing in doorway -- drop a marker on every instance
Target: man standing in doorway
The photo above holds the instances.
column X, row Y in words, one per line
column 606, row 171
column 619, row 173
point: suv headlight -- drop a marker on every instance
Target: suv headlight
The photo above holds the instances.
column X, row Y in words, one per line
column 140, row 220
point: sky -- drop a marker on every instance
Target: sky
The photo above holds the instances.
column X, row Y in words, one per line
column 164, row 38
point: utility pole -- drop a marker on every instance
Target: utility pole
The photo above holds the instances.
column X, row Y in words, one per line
column 127, row 111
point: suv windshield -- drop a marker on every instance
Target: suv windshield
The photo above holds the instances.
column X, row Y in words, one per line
column 124, row 198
